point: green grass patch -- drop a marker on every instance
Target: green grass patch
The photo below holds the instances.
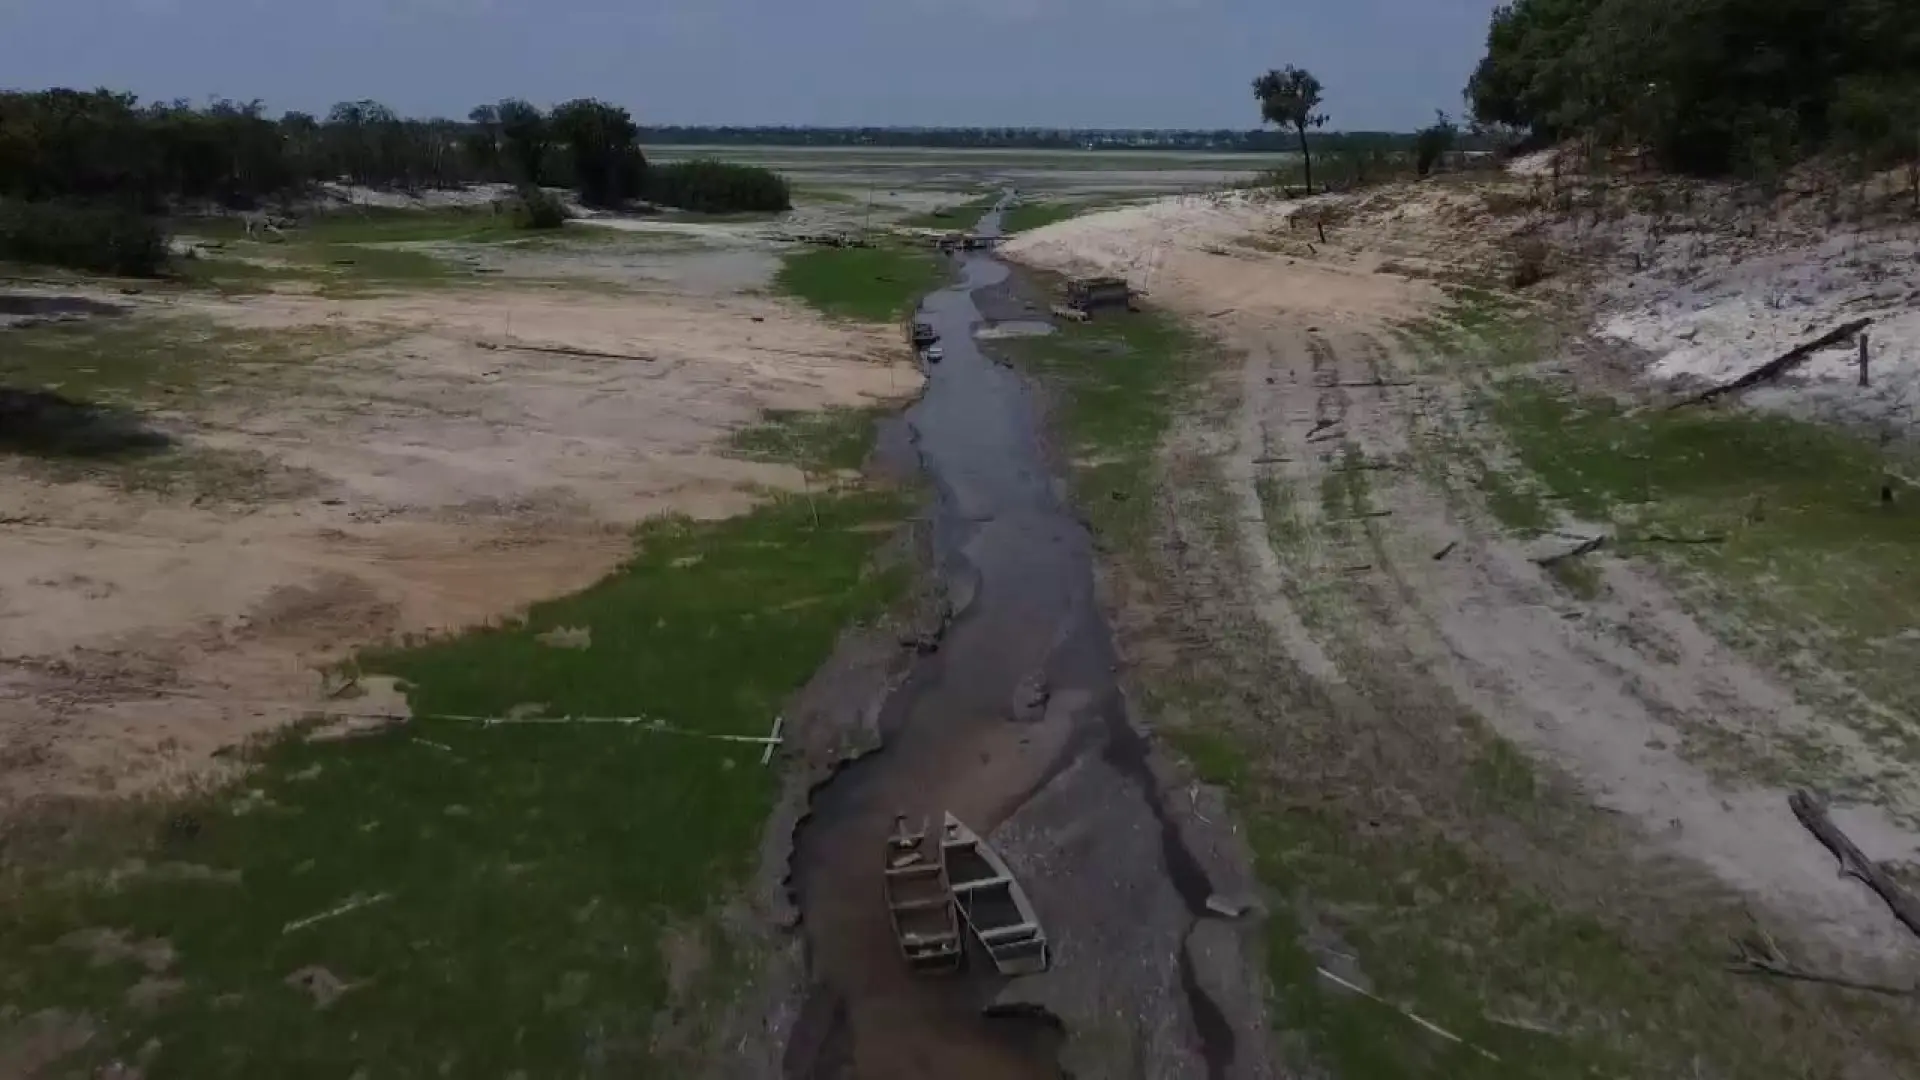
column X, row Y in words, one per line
column 347, row 252
column 817, row 442
column 1034, row 215
column 960, row 217
column 827, row 196
column 370, row 225
column 147, row 359
column 503, row 892
column 1811, row 558
column 876, row 284
column 1120, row 376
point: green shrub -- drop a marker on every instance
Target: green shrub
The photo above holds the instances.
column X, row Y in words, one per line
column 109, row 238
column 1433, row 144
column 717, row 187
column 538, row 209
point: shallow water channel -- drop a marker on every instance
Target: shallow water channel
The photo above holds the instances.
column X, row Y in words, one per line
column 1018, row 567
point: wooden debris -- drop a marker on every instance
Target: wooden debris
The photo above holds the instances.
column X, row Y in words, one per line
column 1767, row 959
column 1585, row 547
column 1813, row 814
column 1779, row 366
column 1663, row 538
column 1445, row 551
column 773, row 739
column 556, row 350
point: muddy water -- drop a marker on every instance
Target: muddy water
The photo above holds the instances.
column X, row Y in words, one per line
column 1019, row 569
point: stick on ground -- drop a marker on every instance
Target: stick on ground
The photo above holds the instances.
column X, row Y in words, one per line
column 1813, row 814
column 1779, row 366
column 1767, row 959
column 1585, row 547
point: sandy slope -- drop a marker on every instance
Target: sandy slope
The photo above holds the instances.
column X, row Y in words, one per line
column 1609, row 693
column 435, row 476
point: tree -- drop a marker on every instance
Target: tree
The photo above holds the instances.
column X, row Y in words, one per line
column 607, row 164
column 1434, row 143
column 1704, row 86
column 1288, row 98
column 483, row 139
column 524, row 137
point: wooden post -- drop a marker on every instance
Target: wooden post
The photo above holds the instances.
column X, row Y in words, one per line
column 1863, row 358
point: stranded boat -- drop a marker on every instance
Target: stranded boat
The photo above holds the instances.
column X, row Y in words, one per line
column 920, row 903
column 993, row 904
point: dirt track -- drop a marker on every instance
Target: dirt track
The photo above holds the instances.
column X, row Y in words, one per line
column 1372, row 560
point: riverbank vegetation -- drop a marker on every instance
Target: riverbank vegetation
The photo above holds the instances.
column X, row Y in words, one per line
column 1709, row 86
column 86, row 177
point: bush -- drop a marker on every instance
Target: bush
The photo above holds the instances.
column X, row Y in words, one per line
column 716, row 187
column 1433, row 144
column 1532, row 263
column 538, row 209
column 109, row 238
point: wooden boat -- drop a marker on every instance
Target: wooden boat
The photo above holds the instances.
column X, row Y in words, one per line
column 920, row 903
column 993, row 904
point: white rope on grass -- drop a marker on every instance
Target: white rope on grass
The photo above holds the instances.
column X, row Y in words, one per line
column 353, row 903
column 1409, row 1014
column 644, row 723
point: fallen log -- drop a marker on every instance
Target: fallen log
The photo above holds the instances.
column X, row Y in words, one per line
column 1665, row 538
column 1585, row 547
column 556, row 350
column 1853, row 862
column 1777, row 367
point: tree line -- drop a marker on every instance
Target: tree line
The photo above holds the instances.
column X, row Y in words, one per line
column 100, row 144
column 1709, row 86
column 1222, row 140
column 83, row 172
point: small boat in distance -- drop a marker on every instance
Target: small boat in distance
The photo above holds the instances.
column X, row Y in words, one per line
column 920, row 903
column 992, row 902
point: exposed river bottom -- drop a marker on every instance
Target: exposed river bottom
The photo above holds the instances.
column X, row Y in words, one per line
column 1066, row 793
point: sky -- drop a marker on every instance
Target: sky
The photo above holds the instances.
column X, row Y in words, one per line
column 1386, row 64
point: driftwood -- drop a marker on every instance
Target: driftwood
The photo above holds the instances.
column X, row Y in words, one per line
column 1664, row 538
column 555, row 350
column 1762, row 956
column 1585, row 547
column 1779, row 366
column 1854, row 863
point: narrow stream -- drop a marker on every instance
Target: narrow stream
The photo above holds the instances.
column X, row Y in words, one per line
column 1018, row 566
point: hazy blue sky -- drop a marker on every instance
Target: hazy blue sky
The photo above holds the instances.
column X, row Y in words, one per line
column 1093, row 63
